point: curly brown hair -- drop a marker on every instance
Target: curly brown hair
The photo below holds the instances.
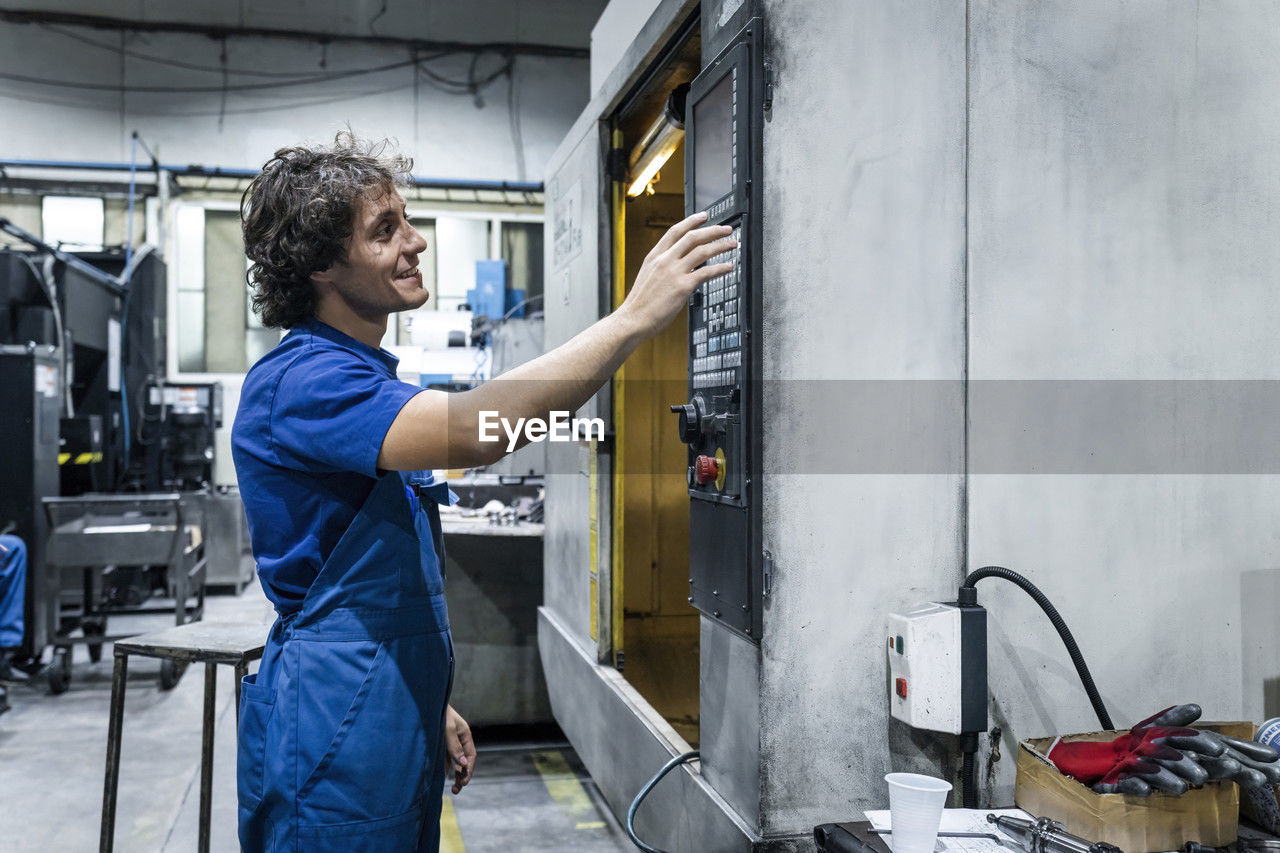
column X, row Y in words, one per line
column 298, row 213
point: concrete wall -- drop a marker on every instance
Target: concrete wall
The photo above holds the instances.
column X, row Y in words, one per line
column 1118, row 192
column 1124, row 182
column 618, row 26
column 864, row 280
column 508, row 133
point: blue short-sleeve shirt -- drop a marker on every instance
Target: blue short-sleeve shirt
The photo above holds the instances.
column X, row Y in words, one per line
column 313, row 413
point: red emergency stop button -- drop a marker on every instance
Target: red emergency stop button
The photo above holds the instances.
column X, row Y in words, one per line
column 900, row 687
column 705, row 470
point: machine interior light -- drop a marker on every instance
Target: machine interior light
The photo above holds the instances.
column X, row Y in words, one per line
column 659, row 142
column 648, row 159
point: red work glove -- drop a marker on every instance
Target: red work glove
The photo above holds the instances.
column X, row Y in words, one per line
column 1162, row 753
column 1134, row 763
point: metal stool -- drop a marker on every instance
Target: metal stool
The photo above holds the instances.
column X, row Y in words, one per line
column 210, row 643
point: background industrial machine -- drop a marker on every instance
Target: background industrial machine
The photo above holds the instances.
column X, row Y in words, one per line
column 178, row 424
column 31, row 378
column 109, row 469
column 494, row 557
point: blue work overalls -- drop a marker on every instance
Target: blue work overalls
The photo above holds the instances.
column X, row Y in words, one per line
column 342, row 728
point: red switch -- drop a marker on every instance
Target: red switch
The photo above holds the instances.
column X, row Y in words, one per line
column 900, row 687
column 706, row 469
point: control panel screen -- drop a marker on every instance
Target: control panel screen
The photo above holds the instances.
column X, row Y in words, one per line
column 713, row 152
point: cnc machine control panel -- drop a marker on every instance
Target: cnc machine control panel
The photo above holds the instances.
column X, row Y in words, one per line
column 711, row 423
column 720, row 421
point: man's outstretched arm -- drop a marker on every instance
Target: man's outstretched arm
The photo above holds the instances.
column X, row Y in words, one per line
column 440, row 430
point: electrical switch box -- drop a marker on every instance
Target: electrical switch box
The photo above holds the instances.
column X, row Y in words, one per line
column 938, row 667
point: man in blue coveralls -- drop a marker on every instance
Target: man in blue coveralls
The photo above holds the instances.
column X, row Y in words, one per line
column 345, row 731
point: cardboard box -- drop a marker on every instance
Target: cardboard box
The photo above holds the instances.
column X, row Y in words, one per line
column 1209, row 815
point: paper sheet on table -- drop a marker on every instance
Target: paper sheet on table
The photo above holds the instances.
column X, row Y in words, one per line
column 960, row 820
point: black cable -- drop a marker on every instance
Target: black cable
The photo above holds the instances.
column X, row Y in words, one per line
column 222, row 103
column 213, row 69
column 173, row 63
column 470, row 86
column 644, row 792
column 272, row 108
column 1082, row 669
column 242, row 87
column 214, row 31
column 513, row 118
column 276, row 107
column 968, row 769
column 380, row 13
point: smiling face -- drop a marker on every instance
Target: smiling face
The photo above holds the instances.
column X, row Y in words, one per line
column 379, row 275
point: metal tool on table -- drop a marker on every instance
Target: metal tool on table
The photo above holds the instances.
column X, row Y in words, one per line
column 990, row 835
column 1047, row 836
column 1242, row 845
column 1257, row 845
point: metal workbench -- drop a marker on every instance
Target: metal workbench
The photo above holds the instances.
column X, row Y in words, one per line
column 96, row 533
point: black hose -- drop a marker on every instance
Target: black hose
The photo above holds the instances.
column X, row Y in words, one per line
column 968, row 777
column 1082, row 669
column 644, row 792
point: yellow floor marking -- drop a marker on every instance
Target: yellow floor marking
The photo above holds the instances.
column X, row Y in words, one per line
column 450, row 835
column 565, row 789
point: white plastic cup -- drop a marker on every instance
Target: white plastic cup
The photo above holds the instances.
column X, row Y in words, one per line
column 915, row 811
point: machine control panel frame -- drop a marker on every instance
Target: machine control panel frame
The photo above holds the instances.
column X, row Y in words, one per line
column 720, row 422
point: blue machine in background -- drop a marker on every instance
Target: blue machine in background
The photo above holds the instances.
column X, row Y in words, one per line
column 491, row 297
column 492, row 304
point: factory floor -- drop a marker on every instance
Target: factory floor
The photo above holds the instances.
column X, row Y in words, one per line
column 529, row 793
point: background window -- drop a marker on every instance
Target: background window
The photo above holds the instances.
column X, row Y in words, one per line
column 74, row 223
column 522, row 250
column 459, row 244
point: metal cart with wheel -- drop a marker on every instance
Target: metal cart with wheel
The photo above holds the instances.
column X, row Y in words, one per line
column 91, row 538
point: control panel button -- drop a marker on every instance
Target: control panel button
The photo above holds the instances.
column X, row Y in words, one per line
column 900, row 687
column 706, row 469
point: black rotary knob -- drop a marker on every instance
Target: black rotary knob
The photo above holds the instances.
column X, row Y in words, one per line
column 690, row 425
